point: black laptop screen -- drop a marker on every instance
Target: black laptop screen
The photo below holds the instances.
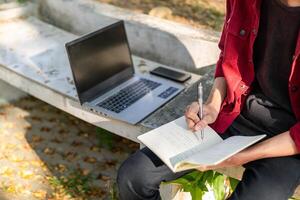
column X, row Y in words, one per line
column 100, row 60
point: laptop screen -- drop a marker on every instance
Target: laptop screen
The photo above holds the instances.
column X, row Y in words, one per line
column 100, row 61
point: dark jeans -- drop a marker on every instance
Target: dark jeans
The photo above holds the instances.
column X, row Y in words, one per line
column 140, row 175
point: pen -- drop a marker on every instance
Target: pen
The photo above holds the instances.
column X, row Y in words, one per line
column 200, row 101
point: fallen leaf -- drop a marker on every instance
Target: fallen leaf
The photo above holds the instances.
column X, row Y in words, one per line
column 45, row 129
column 24, row 165
column 52, row 119
column 71, row 156
column 8, row 125
column 85, row 172
column 94, row 148
column 37, row 138
column 76, row 143
column 56, row 140
column 36, row 118
column 40, row 194
column 16, row 158
column 26, row 174
column 49, row 151
column 89, row 159
column 10, row 189
column 61, row 168
column 10, row 146
column 26, row 146
column 83, row 134
column 103, row 177
column 7, row 172
column 19, row 135
column 37, row 163
column 62, row 131
column 111, row 162
column 28, row 127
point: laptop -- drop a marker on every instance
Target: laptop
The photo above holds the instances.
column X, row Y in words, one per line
column 106, row 81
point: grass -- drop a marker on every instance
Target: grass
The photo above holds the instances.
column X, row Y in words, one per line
column 74, row 185
column 113, row 192
column 79, row 186
column 105, row 138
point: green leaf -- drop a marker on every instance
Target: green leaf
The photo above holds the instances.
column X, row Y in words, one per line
column 233, row 183
column 199, row 176
column 21, row 1
column 193, row 176
column 181, row 181
column 196, row 193
column 196, row 183
column 218, row 186
column 202, row 186
column 208, row 177
column 187, row 178
column 187, row 188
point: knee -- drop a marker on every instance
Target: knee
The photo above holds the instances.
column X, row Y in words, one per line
column 125, row 174
column 135, row 174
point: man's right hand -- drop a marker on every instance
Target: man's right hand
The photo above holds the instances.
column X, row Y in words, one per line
column 211, row 108
column 210, row 114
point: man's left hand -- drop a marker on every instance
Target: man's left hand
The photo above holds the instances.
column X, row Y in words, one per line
column 235, row 160
column 277, row 146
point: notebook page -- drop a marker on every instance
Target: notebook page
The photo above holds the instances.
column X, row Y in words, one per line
column 223, row 150
column 190, row 152
column 174, row 138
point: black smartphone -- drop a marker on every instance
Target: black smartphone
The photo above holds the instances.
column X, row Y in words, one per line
column 171, row 74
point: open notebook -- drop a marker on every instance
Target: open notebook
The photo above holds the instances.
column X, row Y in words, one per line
column 181, row 149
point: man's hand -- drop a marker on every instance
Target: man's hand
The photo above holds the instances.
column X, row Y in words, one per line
column 211, row 108
column 235, row 160
column 210, row 114
column 278, row 146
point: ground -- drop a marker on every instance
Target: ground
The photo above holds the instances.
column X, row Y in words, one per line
column 48, row 154
column 198, row 13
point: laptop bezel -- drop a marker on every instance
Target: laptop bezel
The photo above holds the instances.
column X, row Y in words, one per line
column 95, row 92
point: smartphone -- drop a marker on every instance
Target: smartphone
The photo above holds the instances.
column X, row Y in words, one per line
column 171, row 74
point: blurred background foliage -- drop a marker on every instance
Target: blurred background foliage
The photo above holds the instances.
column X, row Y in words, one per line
column 199, row 13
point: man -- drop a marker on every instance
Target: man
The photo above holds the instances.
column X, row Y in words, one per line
column 256, row 90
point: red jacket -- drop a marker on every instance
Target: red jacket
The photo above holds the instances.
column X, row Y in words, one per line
column 235, row 64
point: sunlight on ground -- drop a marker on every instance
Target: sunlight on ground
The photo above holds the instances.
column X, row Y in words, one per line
column 48, row 154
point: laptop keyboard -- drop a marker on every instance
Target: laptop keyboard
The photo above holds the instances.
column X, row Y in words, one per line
column 168, row 92
column 129, row 95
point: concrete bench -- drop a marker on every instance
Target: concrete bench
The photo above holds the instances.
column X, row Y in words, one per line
column 33, row 59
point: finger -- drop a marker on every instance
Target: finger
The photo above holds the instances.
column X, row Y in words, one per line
column 192, row 115
column 187, row 108
column 200, row 169
column 200, row 125
column 195, row 107
column 205, row 111
column 218, row 166
column 203, row 168
column 190, row 123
